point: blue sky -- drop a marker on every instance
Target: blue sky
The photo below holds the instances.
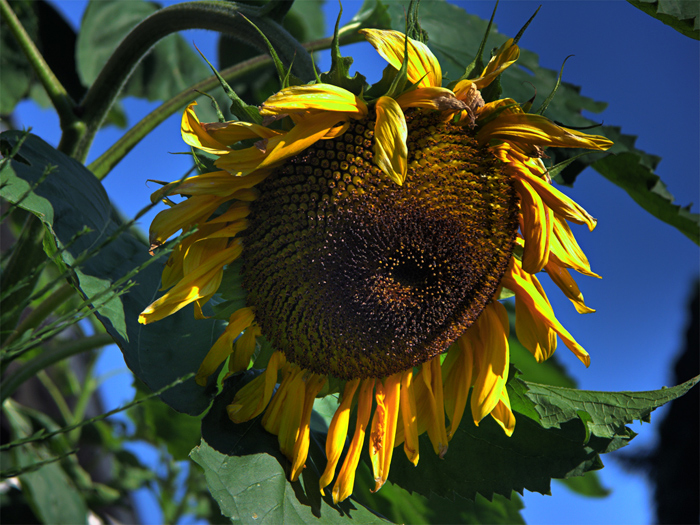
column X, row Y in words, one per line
column 649, row 75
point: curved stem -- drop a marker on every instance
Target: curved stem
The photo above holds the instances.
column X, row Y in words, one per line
column 101, row 166
column 46, row 359
column 212, row 15
column 71, row 125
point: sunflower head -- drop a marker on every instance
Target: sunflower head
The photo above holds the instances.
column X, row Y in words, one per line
column 377, row 229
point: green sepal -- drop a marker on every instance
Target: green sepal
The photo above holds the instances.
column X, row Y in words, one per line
column 522, row 29
column 215, row 106
column 338, row 75
column 413, row 28
column 543, row 107
column 242, row 111
column 476, row 66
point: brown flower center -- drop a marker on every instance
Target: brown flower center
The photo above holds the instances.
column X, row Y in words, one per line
column 354, row 276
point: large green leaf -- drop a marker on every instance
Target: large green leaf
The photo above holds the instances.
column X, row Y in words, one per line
column 455, row 36
column 170, row 67
column 681, row 15
column 69, row 199
column 48, row 489
column 559, row 433
column 247, row 475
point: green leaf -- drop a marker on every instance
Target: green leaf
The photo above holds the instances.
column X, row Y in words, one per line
column 681, row 15
column 587, row 485
column 170, row 67
column 648, row 191
column 552, row 443
column 247, row 474
column 49, row 490
column 609, row 411
column 67, row 201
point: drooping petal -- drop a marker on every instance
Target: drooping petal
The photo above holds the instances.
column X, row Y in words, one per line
column 231, row 132
column 437, row 98
column 290, row 417
column 521, row 283
column 562, row 278
column 565, row 250
column 458, row 381
column 536, row 228
column 503, row 414
column 301, row 445
column 491, row 379
column 192, row 287
column 390, row 133
column 184, row 214
column 223, row 347
column 432, row 378
column 250, row 401
column 409, row 417
column 272, row 419
column 337, row 433
column 506, row 55
column 219, row 183
column 244, row 350
column 536, row 130
column 538, row 338
column 342, row 489
column 423, row 66
column 383, row 433
column 314, row 97
column 194, row 134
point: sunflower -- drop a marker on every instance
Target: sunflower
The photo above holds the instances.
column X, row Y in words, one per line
column 376, row 237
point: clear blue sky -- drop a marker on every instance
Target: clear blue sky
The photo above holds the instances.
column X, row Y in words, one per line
column 649, row 75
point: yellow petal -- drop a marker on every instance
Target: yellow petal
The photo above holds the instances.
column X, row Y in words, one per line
column 219, row 183
column 231, row 132
column 290, row 419
column 251, row 400
column 493, row 329
column 301, row 445
column 314, row 97
column 503, row 414
column 244, row 350
column 423, row 66
column 192, row 287
column 432, row 378
column 538, row 338
column 194, row 134
column 183, row 215
column 437, row 98
column 565, row 250
column 536, row 130
column 383, row 434
column 536, row 228
column 390, row 133
column 272, row 419
column 223, row 347
column 506, row 55
column 342, row 489
column 337, row 433
column 458, row 381
column 409, row 417
column 562, row 278
column 521, row 283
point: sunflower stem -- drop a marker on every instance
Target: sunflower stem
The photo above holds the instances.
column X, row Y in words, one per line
column 46, row 359
column 71, row 126
column 212, row 15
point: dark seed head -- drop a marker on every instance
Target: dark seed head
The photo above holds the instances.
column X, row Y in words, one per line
column 354, row 276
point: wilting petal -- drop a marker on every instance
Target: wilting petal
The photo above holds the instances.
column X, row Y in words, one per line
column 314, row 97
column 506, row 55
column 219, row 183
column 390, row 133
column 244, row 350
column 409, row 417
column 437, row 98
column 538, row 338
column 383, row 434
column 223, row 347
column 562, row 278
column 337, row 433
column 536, row 130
column 565, row 250
column 301, row 445
column 432, row 378
column 251, row 400
column 536, row 228
column 194, row 134
column 423, row 67
column 342, row 489
column 521, row 283
column 493, row 370
column 503, row 414
column 458, row 381
column 183, row 214
column 231, row 132
column 192, row 287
